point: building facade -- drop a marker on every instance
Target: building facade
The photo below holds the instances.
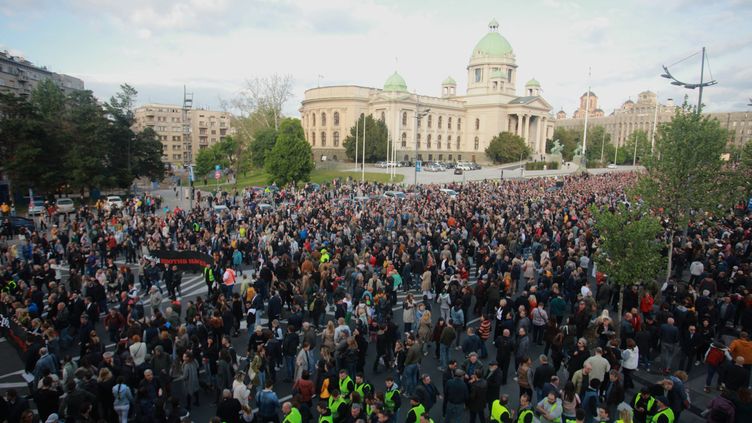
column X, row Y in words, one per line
column 18, row 76
column 456, row 128
column 592, row 109
column 169, row 121
column 647, row 113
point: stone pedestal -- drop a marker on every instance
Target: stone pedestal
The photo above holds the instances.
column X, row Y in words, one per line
column 554, row 157
column 578, row 160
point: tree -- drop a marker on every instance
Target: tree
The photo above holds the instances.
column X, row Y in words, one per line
column 208, row 158
column 639, row 139
column 377, row 135
column 569, row 139
column 264, row 97
column 291, row 159
column 507, row 147
column 147, row 156
column 684, row 173
column 262, row 143
column 629, row 249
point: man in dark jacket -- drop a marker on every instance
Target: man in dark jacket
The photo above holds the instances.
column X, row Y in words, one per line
column 542, row 375
column 73, row 403
column 228, row 410
column 290, row 350
column 427, row 392
column 504, row 350
column 493, row 378
column 456, row 396
column 476, row 402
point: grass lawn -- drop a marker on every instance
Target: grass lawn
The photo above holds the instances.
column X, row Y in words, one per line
column 320, row 176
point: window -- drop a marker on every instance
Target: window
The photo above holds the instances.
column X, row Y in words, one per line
column 449, row 123
column 449, row 142
column 450, row 157
column 428, row 141
column 441, row 157
column 459, row 124
column 336, row 119
column 404, row 140
column 404, row 118
column 430, row 120
column 430, row 157
column 459, row 157
column 419, row 119
column 383, row 117
column 323, row 120
column 314, row 121
column 417, row 142
column 335, row 138
column 458, row 142
column 477, row 143
column 323, row 137
column 438, row 142
column 477, row 124
column 478, row 74
column 440, row 119
column 509, row 75
column 313, row 138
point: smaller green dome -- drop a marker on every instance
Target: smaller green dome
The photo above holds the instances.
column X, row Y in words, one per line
column 497, row 74
column 395, row 83
column 533, row 83
column 449, row 81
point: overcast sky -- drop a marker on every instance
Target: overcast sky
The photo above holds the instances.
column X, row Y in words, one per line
column 213, row 46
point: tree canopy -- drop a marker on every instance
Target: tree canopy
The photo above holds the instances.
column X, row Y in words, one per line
column 291, row 159
column 53, row 142
column 377, row 135
column 262, row 143
column 507, row 147
column 569, row 139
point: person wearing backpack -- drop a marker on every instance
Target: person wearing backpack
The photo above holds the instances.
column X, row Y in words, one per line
column 123, row 399
column 716, row 355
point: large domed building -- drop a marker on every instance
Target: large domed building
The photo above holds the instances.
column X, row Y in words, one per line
column 457, row 127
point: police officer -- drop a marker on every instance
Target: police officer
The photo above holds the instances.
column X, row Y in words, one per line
column 416, row 410
column 499, row 411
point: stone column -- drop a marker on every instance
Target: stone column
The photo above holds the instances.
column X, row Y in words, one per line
column 518, row 129
column 538, row 121
column 523, row 130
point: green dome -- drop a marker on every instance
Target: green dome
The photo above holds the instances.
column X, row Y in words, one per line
column 496, row 74
column 395, row 83
column 492, row 44
column 533, row 83
column 449, row 81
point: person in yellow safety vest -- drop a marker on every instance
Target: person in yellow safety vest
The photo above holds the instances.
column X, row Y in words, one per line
column 392, row 396
column 324, row 256
column 499, row 411
column 425, row 419
column 416, row 410
column 550, row 409
column 292, row 415
column 325, row 415
column 625, row 414
column 209, row 278
column 525, row 412
column 363, row 388
column 663, row 414
column 346, row 385
column 337, row 405
column 644, row 406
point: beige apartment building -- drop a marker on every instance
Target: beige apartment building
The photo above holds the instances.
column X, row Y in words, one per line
column 457, row 127
column 646, row 113
column 198, row 127
column 19, row 76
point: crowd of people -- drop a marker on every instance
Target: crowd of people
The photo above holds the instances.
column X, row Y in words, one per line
column 313, row 277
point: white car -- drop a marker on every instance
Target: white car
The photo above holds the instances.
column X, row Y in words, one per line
column 36, row 207
column 65, row 205
column 450, row 192
column 395, row 194
column 114, row 201
column 219, row 208
column 612, row 166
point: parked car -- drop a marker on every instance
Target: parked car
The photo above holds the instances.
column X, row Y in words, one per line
column 17, row 223
column 395, row 194
column 463, row 166
column 612, row 166
column 433, row 167
column 381, row 164
column 474, row 166
column 450, row 192
column 36, row 207
column 65, row 206
column 114, row 201
column 458, row 171
column 219, row 208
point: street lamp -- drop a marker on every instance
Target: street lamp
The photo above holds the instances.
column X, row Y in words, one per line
column 667, row 74
column 418, row 115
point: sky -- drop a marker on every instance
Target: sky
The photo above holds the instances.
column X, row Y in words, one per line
column 214, row 46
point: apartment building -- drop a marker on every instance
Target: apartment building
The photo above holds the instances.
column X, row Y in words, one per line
column 19, row 76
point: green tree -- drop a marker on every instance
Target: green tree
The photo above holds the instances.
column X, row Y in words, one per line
column 640, row 140
column 261, row 144
column 207, row 159
column 569, row 139
column 507, row 147
column 147, row 156
column 377, row 135
column 684, row 173
column 629, row 249
column 291, row 159
column 599, row 146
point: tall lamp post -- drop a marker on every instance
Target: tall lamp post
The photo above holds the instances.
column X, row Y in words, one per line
column 419, row 114
column 702, row 84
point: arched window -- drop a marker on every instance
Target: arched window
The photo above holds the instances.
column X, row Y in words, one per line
column 336, row 119
column 419, row 119
column 429, row 120
column 383, row 117
column 404, row 140
column 438, row 140
column 441, row 157
column 323, row 139
column 313, row 138
column 335, row 138
column 440, row 119
column 418, row 142
column 477, row 143
column 449, row 123
column 458, row 142
column 428, row 141
column 459, row 124
column 323, row 119
column 314, row 119
column 449, row 142
column 404, row 118
column 477, row 124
